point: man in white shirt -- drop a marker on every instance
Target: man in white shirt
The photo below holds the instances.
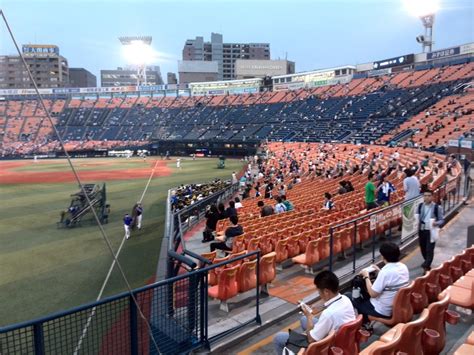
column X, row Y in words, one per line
column 411, row 185
column 393, row 276
column 279, row 207
column 338, row 310
column 238, row 204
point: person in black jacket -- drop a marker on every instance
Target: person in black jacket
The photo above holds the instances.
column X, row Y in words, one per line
column 222, row 211
column 212, row 217
column 225, row 242
column 231, row 210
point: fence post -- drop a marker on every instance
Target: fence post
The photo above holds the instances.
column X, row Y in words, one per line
column 257, row 306
column 331, row 246
column 192, row 301
column 202, row 307
column 354, row 249
column 38, row 336
column 373, row 243
column 133, row 327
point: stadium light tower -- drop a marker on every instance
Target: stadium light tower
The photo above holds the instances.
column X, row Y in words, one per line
column 425, row 10
column 138, row 52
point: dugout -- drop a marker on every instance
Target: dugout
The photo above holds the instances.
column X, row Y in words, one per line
column 214, row 148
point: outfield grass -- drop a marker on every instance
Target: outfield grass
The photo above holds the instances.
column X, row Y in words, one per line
column 44, row 269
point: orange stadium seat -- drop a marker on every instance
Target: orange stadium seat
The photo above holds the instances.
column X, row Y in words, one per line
column 349, row 336
column 226, row 287
column 403, row 311
column 438, row 316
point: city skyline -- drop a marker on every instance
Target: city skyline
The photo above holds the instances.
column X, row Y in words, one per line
column 314, row 34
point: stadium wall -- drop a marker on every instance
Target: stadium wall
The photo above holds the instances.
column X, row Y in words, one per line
column 231, row 149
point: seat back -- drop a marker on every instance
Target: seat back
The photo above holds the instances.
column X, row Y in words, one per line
column 209, row 256
column 436, row 320
column 214, row 273
column 312, row 252
column 238, row 244
column 411, row 338
column 389, row 348
column 292, row 246
column 253, row 244
column 445, row 278
column 227, row 283
column 419, row 297
column 247, row 276
column 321, row 347
column 265, row 244
column 432, row 285
column 267, row 270
column 347, row 336
column 234, row 256
column 324, row 247
column 402, row 308
column 281, row 251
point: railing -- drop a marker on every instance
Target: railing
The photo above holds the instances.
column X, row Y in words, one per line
column 381, row 223
column 176, row 310
column 116, row 327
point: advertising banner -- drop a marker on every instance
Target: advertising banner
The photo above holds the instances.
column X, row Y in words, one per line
column 467, row 144
column 380, row 72
column 393, row 62
column 467, row 48
column 453, row 143
column 409, row 219
column 443, row 53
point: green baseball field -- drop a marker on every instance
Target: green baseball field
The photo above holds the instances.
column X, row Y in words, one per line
column 46, row 269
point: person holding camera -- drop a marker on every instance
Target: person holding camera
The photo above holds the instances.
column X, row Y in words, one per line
column 393, row 276
column 430, row 217
column 337, row 311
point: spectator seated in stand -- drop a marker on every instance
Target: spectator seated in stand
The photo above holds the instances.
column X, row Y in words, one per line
column 225, row 241
column 212, row 217
column 185, row 195
column 279, row 207
column 238, row 204
column 393, row 276
column 265, row 210
column 231, row 210
column 337, row 311
column 289, row 206
column 328, row 202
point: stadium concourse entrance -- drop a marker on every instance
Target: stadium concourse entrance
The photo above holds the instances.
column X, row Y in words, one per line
column 204, row 147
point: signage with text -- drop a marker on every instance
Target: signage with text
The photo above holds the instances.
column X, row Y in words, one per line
column 394, row 62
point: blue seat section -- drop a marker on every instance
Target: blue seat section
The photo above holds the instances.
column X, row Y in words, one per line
column 360, row 119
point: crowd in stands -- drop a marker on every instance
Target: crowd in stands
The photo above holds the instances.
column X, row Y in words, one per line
column 185, row 195
column 298, row 179
column 362, row 110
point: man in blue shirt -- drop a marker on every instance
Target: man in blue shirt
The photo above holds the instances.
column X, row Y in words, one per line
column 127, row 222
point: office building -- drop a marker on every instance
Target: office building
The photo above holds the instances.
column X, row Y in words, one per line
column 225, row 54
column 48, row 67
column 81, row 78
column 128, row 76
column 194, row 71
column 171, row 79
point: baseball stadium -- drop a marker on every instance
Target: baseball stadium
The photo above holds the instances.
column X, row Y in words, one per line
column 248, row 208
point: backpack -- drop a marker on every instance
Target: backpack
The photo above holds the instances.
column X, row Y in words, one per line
column 435, row 210
column 358, row 282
